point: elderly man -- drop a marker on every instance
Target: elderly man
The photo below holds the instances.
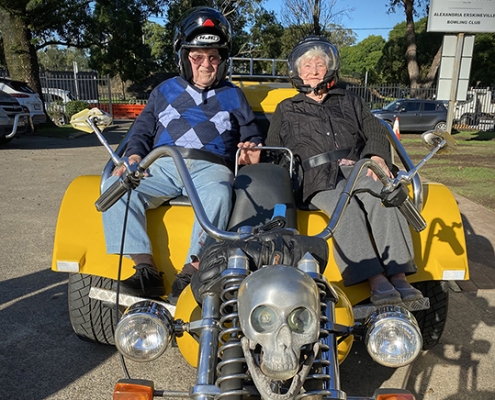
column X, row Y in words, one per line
column 207, row 119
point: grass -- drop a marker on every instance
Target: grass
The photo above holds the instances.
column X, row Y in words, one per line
column 469, row 171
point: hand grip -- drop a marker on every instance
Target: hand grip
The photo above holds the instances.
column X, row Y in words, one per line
column 110, row 196
column 411, row 213
column 400, row 199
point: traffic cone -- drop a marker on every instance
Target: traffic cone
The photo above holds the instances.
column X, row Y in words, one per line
column 396, row 128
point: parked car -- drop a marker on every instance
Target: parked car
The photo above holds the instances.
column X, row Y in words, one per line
column 55, row 100
column 26, row 97
column 415, row 115
column 9, row 108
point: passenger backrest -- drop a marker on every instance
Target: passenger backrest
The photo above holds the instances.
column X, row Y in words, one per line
column 258, row 189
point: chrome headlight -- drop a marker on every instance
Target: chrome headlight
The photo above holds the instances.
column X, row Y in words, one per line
column 145, row 331
column 393, row 337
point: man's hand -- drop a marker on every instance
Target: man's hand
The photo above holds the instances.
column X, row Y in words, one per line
column 248, row 154
column 131, row 160
column 381, row 162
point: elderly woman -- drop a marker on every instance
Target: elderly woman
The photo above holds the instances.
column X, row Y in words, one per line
column 330, row 129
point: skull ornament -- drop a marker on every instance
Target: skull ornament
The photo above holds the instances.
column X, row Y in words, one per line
column 279, row 310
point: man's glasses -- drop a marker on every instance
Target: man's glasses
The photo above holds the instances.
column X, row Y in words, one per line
column 199, row 59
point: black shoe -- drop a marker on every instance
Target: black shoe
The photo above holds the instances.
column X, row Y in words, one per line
column 180, row 283
column 146, row 282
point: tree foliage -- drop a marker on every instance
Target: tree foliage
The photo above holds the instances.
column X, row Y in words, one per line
column 30, row 25
column 483, row 62
column 393, row 64
column 363, row 58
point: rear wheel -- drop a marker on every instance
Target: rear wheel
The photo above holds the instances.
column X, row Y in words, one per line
column 91, row 320
column 432, row 321
column 4, row 141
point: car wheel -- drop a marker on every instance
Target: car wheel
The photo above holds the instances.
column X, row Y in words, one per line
column 441, row 126
column 91, row 320
column 60, row 120
column 432, row 321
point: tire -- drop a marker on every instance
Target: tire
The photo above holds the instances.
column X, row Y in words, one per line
column 432, row 321
column 91, row 320
column 441, row 126
column 4, row 141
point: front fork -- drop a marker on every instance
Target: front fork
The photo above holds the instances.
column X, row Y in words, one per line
column 220, row 324
column 324, row 379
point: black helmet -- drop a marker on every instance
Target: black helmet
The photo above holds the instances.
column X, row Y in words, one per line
column 317, row 43
column 203, row 27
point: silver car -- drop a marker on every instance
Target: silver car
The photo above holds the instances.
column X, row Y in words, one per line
column 415, row 115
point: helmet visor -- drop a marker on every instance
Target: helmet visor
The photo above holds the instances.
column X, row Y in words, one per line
column 311, row 50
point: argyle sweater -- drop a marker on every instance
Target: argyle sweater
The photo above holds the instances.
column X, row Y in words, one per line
column 180, row 114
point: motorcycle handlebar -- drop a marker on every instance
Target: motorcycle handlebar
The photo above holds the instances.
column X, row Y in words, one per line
column 120, row 187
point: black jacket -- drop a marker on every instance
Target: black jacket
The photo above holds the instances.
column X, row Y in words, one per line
column 340, row 121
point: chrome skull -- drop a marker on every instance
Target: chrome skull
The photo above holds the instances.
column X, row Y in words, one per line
column 279, row 311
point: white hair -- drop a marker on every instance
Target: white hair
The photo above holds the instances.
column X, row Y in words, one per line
column 313, row 53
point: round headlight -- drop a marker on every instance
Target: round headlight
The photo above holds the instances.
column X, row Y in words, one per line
column 393, row 337
column 144, row 332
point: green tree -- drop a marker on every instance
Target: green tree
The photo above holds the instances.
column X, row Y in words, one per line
column 30, row 25
column 483, row 62
column 393, row 64
column 121, row 48
column 56, row 58
column 155, row 39
column 265, row 36
column 414, row 8
column 363, row 58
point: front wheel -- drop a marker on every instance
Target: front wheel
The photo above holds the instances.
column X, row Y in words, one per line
column 91, row 320
column 432, row 321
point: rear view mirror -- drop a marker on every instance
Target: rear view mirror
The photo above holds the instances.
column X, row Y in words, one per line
column 433, row 139
column 100, row 118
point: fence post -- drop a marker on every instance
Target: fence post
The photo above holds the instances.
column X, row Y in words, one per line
column 110, row 108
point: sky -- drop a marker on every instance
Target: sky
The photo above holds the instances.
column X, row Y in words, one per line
column 368, row 18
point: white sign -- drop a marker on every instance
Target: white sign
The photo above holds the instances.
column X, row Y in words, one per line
column 461, row 16
column 447, row 67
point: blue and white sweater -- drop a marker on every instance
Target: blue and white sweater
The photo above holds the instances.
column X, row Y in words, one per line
column 180, row 114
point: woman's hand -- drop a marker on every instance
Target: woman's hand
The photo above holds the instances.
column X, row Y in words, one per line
column 381, row 162
column 248, row 155
column 131, row 160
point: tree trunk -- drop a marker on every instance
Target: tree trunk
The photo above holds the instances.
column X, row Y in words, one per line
column 20, row 54
column 432, row 73
column 411, row 51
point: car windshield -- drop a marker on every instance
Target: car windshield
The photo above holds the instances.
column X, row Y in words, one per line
column 394, row 106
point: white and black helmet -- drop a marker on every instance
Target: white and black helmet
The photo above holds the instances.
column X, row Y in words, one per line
column 203, row 27
column 309, row 46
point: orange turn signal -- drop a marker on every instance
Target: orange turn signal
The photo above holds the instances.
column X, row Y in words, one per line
column 133, row 389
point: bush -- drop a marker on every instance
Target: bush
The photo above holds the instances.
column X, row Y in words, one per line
column 73, row 107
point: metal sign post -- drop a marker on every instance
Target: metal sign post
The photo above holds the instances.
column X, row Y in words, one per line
column 458, row 16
